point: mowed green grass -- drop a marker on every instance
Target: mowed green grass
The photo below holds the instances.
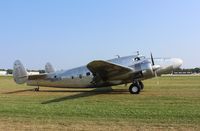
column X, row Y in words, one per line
column 173, row 104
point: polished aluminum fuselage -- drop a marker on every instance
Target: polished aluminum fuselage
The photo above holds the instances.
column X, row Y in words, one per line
column 82, row 77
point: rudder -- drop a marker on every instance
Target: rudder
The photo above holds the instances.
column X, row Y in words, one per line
column 19, row 73
column 49, row 68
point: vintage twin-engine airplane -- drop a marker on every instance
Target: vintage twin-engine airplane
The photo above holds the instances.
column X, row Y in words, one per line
column 99, row 73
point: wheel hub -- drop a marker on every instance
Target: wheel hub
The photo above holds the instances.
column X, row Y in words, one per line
column 135, row 89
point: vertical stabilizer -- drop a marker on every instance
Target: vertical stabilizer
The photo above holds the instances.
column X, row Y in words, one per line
column 49, row 68
column 19, row 73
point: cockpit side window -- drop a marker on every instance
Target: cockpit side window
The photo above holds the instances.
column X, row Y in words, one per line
column 137, row 58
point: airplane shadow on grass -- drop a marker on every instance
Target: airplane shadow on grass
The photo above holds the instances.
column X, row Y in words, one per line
column 18, row 91
column 81, row 93
column 97, row 91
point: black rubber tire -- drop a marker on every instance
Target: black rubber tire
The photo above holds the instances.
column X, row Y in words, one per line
column 136, row 86
column 37, row 89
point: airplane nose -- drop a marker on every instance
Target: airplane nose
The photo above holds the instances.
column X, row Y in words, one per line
column 177, row 63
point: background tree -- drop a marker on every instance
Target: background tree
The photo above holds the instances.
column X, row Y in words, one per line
column 9, row 71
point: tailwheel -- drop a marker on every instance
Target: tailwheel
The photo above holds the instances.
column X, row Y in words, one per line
column 141, row 85
column 37, row 89
column 135, row 88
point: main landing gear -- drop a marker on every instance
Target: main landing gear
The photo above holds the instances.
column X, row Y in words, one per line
column 136, row 87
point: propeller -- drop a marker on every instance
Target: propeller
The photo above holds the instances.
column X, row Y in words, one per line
column 155, row 68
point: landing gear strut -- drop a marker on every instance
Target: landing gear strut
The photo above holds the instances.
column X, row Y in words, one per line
column 141, row 85
column 136, row 87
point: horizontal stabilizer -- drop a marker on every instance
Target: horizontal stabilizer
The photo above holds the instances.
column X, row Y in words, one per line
column 37, row 77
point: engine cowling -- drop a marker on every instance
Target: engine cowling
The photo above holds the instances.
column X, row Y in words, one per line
column 147, row 69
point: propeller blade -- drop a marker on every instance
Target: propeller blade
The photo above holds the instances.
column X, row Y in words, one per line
column 155, row 68
column 152, row 60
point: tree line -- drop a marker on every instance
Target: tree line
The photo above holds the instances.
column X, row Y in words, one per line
column 191, row 70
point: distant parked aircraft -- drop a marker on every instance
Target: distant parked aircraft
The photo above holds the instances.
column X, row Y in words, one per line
column 99, row 73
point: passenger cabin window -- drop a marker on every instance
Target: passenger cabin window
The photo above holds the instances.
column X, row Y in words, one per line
column 80, row 76
column 88, row 74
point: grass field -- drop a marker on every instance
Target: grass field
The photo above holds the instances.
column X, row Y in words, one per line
column 174, row 104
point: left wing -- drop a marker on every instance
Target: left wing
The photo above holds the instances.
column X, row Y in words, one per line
column 107, row 70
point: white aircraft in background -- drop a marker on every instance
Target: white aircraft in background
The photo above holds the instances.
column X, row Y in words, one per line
column 99, row 73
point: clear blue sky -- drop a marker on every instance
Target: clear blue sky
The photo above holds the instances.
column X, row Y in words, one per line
column 70, row 33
